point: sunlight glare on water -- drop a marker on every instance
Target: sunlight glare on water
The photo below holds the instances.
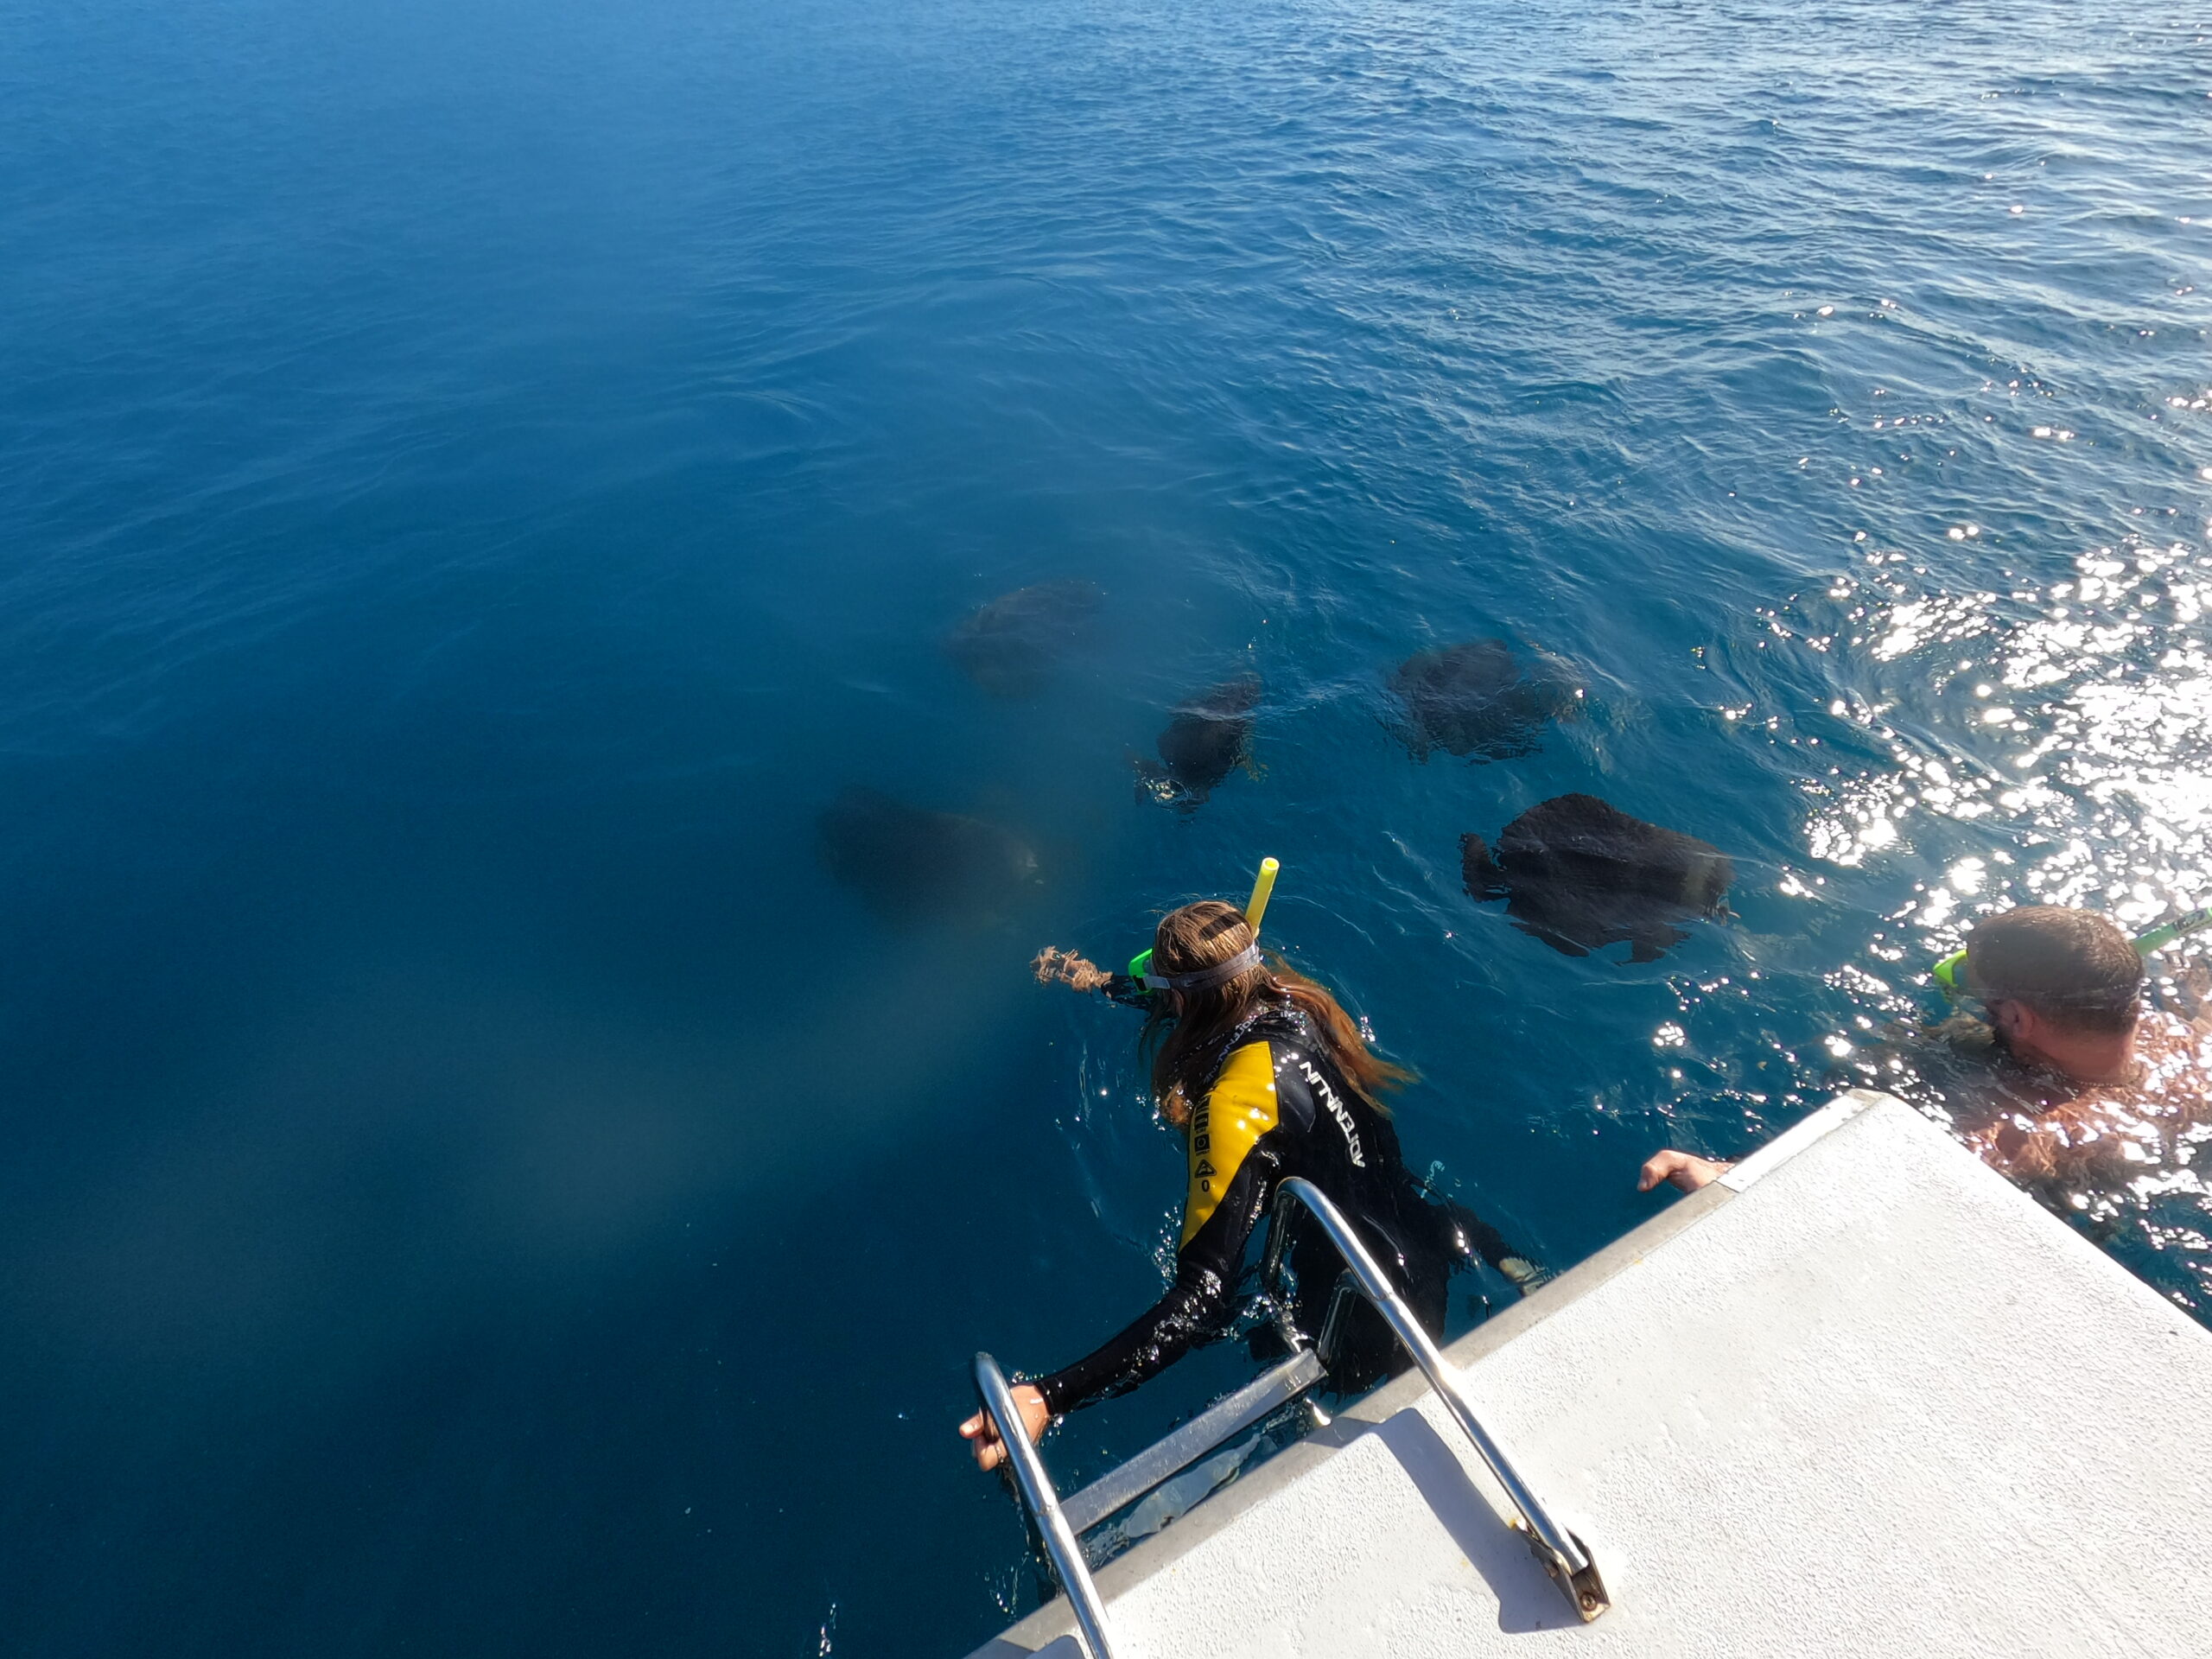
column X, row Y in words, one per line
column 486, row 482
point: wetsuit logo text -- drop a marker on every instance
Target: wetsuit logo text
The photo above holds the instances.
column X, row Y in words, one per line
column 1336, row 1110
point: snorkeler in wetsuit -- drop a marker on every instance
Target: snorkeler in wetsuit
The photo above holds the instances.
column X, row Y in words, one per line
column 1268, row 1077
column 2070, row 1081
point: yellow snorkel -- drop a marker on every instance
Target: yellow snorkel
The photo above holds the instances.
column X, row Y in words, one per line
column 1255, row 908
column 1263, row 888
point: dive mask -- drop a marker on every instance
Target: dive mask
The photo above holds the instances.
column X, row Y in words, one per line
column 1204, row 980
column 1221, row 973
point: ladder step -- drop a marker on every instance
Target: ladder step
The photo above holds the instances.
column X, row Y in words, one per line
column 1223, row 1421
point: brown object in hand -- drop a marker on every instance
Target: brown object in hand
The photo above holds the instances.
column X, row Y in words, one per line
column 1068, row 968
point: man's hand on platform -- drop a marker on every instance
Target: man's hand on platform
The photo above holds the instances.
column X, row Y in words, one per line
column 1684, row 1169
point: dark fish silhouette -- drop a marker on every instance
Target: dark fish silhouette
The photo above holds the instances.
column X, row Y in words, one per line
column 910, row 864
column 1580, row 873
column 1210, row 737
column 1011, row 645
column 1478, row 699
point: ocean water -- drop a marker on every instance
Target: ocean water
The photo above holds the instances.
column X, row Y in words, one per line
column 480, row 480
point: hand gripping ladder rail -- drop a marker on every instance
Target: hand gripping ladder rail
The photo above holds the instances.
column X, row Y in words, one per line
column 1060, row 1520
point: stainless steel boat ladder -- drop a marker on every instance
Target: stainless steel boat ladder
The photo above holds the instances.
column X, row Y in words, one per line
column 1060, row 1521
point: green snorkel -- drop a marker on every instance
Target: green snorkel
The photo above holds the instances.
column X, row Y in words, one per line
column 2195, row 921
column 2181, row 927
column 1255, row 908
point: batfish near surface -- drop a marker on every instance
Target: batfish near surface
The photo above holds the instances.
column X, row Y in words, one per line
column 1480, row 701
column 1579, row 873
column 1011, row 647
column 1210, row 737
column 910, row 864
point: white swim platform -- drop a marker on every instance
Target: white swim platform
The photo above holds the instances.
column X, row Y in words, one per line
column 1860, row 1397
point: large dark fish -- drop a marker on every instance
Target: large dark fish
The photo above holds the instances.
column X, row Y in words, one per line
column 1011, row 645
column 910, row 864
column 1210, row 737
column 1579, row 873
column 1478, row 700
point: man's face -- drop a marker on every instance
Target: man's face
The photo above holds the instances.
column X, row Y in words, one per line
column 2017, row 1024
column 2029, row 1035
column 2021, row 1031
column 2011, row 1020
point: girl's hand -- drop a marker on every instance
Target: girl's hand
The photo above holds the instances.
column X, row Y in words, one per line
column 1065, row 968
column 984, row 1433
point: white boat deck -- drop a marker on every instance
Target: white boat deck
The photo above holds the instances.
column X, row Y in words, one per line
column 1863, row 1397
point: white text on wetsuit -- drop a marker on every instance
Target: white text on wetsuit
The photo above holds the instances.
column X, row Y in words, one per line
column 1336, row 1108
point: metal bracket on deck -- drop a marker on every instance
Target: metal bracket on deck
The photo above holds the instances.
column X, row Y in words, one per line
column 1582, row 1585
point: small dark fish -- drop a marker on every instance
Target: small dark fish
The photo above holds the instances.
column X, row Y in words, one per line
column 1210, row 737
column 1478, row 700
column 1579, row 873
column 910, row 864
column 1011, row 645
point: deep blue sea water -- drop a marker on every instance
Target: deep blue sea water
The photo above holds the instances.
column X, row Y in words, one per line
column 480, row 479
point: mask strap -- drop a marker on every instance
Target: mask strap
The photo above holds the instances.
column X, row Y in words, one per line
column 1206, row 978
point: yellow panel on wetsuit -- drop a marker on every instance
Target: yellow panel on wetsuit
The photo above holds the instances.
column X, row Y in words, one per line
column 1237, row 1110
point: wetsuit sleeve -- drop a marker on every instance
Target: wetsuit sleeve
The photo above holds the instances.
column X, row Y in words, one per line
column 1231, row 1176
column 1127, row 991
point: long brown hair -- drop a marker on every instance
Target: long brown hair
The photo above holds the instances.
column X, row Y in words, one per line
column 1185, row 1046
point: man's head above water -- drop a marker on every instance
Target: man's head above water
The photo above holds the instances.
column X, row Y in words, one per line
column 2063, row 987
column 2064, row 991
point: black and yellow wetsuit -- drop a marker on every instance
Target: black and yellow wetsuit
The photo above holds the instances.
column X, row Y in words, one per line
column 1277, row 1106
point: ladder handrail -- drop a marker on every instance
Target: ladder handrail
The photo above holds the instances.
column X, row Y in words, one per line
column 1561, row 1553
column 1044, row 1504
column 1212, row 1429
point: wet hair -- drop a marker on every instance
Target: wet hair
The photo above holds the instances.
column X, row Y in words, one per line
column 1186, row 1047
column 2073, row 967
